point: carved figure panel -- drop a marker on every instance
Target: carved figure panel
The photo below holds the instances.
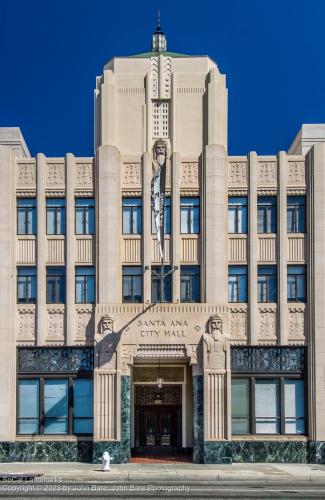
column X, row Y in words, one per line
column 296, row 172
column 26, row 324
column 267, row 173
column 55, row 324
column 84, row 327
column 190, row 175
column 296, row 324
column 84, row 175
column 237, row 173
column 131, row 175
column 26, row 174
column 238, row 325
column 55, row 174
column 267, row 324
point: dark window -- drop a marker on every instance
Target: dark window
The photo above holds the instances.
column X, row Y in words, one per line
column 26, row 285
column 190, row 215
column 237, row 284
column 268, row 406
column 267, row 284
column 26, row 216
column 55, row 216
column 296, row 284
column 85, row 284
column 296, row 214
column 55, row 405
column 85, row 216
column 156, row 295
column 167, row 224
column 266, row 214
column 132, row 284
column 237, row 214
column 55, row 285
column 190, row 283
column 132, row 215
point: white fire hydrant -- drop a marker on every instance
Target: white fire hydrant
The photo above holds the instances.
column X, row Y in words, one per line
column 106, row 459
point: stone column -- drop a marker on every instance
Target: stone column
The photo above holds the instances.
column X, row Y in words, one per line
column 41, row 249
column 282, row 248
column 146, row 226
column 198, row 412
column 215, row 225
column 175, row 166
column 70, row 249
column 252, row 251
column 109, row 229
column 7, row 295
column 316, row 299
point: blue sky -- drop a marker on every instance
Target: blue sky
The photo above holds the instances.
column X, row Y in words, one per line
column 272, row 51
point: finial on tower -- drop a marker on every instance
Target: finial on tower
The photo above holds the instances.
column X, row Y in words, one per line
column 159, row 42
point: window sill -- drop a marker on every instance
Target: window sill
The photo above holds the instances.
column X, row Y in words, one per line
column 54, row 437
column 269, row 437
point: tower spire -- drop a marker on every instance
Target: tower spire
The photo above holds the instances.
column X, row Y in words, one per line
column 159, row 42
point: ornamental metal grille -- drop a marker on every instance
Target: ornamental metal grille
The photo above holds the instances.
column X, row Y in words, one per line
column 268, row 359
column 150, row 395
column 64, row 359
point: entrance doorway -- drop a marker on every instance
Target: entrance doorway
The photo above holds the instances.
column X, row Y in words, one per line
column 158, row 425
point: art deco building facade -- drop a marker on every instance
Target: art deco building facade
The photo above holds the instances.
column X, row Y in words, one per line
column 227, row 357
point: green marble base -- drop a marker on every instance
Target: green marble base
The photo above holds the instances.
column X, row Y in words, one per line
column 125, row 419
column 46, row 451
column 197, row 392
column 218, row 452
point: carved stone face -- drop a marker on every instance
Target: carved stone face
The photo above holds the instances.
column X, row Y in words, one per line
column 160, row 152
column 106, row 324
column 215, row 325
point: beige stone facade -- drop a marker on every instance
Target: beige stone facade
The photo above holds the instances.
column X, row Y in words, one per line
column 196, row 337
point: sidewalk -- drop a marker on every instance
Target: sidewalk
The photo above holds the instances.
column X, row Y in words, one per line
column 168, row 473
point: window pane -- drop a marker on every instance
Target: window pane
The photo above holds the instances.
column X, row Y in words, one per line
column 50, row 218
column 231, row 219
column 90, row 298
column 260, row 220
column 291, row 283
column 301, row 288
column 60, row 223
column 294, row 407
column 55, row 406
column 184, row 221
column 28, row 403
column 185, row 289
column 80, row 292
column 83, row 406
column 126, row 220
column 240, row 407
column 291, row 220
column 232, row 289
column 302, row 219
column 272, row 288
column 242, row 288
column 79, row 220
column 137, row 220
column 90, row 221
column 137, row 288
column 21, row 222
column 195, row 220
column 242, row 220
column 267, row 406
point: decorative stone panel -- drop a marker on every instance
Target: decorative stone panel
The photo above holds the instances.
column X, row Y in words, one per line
column 84, row 247
column 85, row 329
column 55, row 249
column 190, row 175
column 84, row 174
column 131, row 249
column 26, row 323
column 237, row 248
column 267, row 321
column 296, row 248
column 296, row 173
column 238, row 324
column 26, row 174
column 267, row 248
column 25, row 249
column 55, row 175
column 55, row 323
column 296, row 323
column 237, row 173
column 155, row 255
column 267, row 173
column 189, row 248
column 131, row 175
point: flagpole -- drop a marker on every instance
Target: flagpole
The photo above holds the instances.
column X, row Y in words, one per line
column 162, row 270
